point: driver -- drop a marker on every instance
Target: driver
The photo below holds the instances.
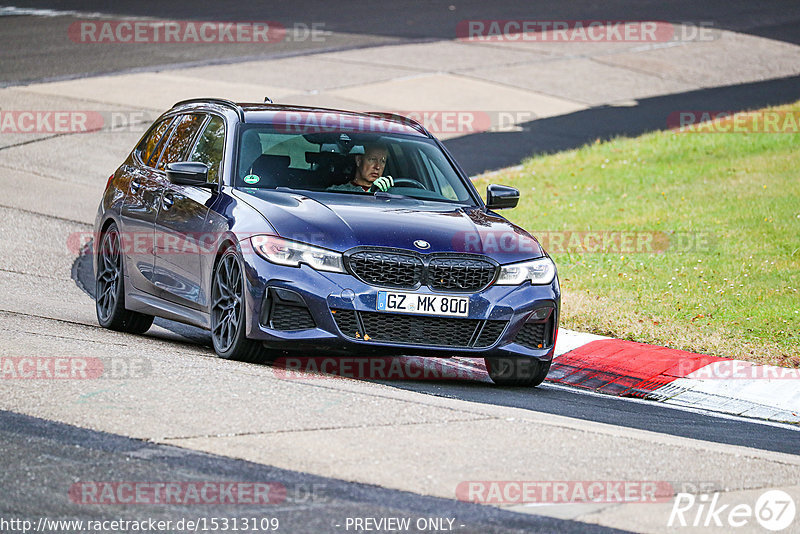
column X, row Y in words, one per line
column 369, row 171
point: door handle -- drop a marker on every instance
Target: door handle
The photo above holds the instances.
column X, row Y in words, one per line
column 167, row 201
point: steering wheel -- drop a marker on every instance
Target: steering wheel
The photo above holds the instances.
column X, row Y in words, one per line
column 408, row 182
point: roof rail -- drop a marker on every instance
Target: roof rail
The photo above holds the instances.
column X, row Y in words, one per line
column 221, row 101
column 400, row 118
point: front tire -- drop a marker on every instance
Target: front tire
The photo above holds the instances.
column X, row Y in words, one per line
column 228, row 312
column 110, row 289
column 517, row 371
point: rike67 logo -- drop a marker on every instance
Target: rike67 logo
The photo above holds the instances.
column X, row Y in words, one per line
column 774, row 510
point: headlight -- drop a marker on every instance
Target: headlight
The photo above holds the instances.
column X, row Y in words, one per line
column 284, row 252
column 540, row 271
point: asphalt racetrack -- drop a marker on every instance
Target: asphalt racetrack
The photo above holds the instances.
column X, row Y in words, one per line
column 340, row 454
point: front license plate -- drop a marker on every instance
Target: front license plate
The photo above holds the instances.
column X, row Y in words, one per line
column 425, row 304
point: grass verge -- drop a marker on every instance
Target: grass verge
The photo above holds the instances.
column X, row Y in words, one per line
column 687, row 240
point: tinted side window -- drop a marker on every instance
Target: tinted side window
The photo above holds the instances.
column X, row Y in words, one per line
column 150, row 142
column 181, row 139
column 210, row 147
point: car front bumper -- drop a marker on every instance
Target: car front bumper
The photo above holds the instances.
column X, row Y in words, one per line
column 344, row 309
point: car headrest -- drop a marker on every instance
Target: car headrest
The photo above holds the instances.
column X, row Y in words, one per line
column 271, row 162
column 333, row 163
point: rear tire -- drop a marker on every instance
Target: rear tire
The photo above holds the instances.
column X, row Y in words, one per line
column 228, row 312
column 517, row 371
column 110, row 289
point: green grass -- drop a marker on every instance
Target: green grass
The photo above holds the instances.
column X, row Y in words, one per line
column 737, row 294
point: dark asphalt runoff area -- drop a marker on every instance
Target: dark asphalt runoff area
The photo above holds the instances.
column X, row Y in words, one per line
column 47, row 466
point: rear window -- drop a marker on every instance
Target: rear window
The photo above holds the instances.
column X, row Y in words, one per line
column 183, row 134
column 148, row 145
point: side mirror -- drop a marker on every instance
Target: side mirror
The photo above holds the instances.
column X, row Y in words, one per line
column 501, row 196
column 189, row 173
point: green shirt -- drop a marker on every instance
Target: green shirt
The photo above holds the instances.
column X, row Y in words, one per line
column 349, row 186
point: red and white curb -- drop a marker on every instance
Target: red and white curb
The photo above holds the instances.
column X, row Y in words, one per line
column 676, row 377
column 602, row 365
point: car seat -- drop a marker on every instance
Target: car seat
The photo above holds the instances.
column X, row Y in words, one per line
column 272, row 169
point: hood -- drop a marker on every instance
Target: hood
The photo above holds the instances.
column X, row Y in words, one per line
column 340, row 221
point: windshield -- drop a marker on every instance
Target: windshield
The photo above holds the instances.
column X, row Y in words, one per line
column 329, row 161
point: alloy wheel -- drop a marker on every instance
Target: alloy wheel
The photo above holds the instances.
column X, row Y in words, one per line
column 226, row 310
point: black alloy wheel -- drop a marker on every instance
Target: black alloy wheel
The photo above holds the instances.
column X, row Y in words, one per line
column 110, row 289
column 228, row 312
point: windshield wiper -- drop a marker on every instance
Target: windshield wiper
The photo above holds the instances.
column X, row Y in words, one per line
column 386, row 194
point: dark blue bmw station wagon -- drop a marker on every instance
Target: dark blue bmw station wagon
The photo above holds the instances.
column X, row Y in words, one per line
column 283, row 228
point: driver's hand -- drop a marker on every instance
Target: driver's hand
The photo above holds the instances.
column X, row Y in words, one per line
column 382, row 184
